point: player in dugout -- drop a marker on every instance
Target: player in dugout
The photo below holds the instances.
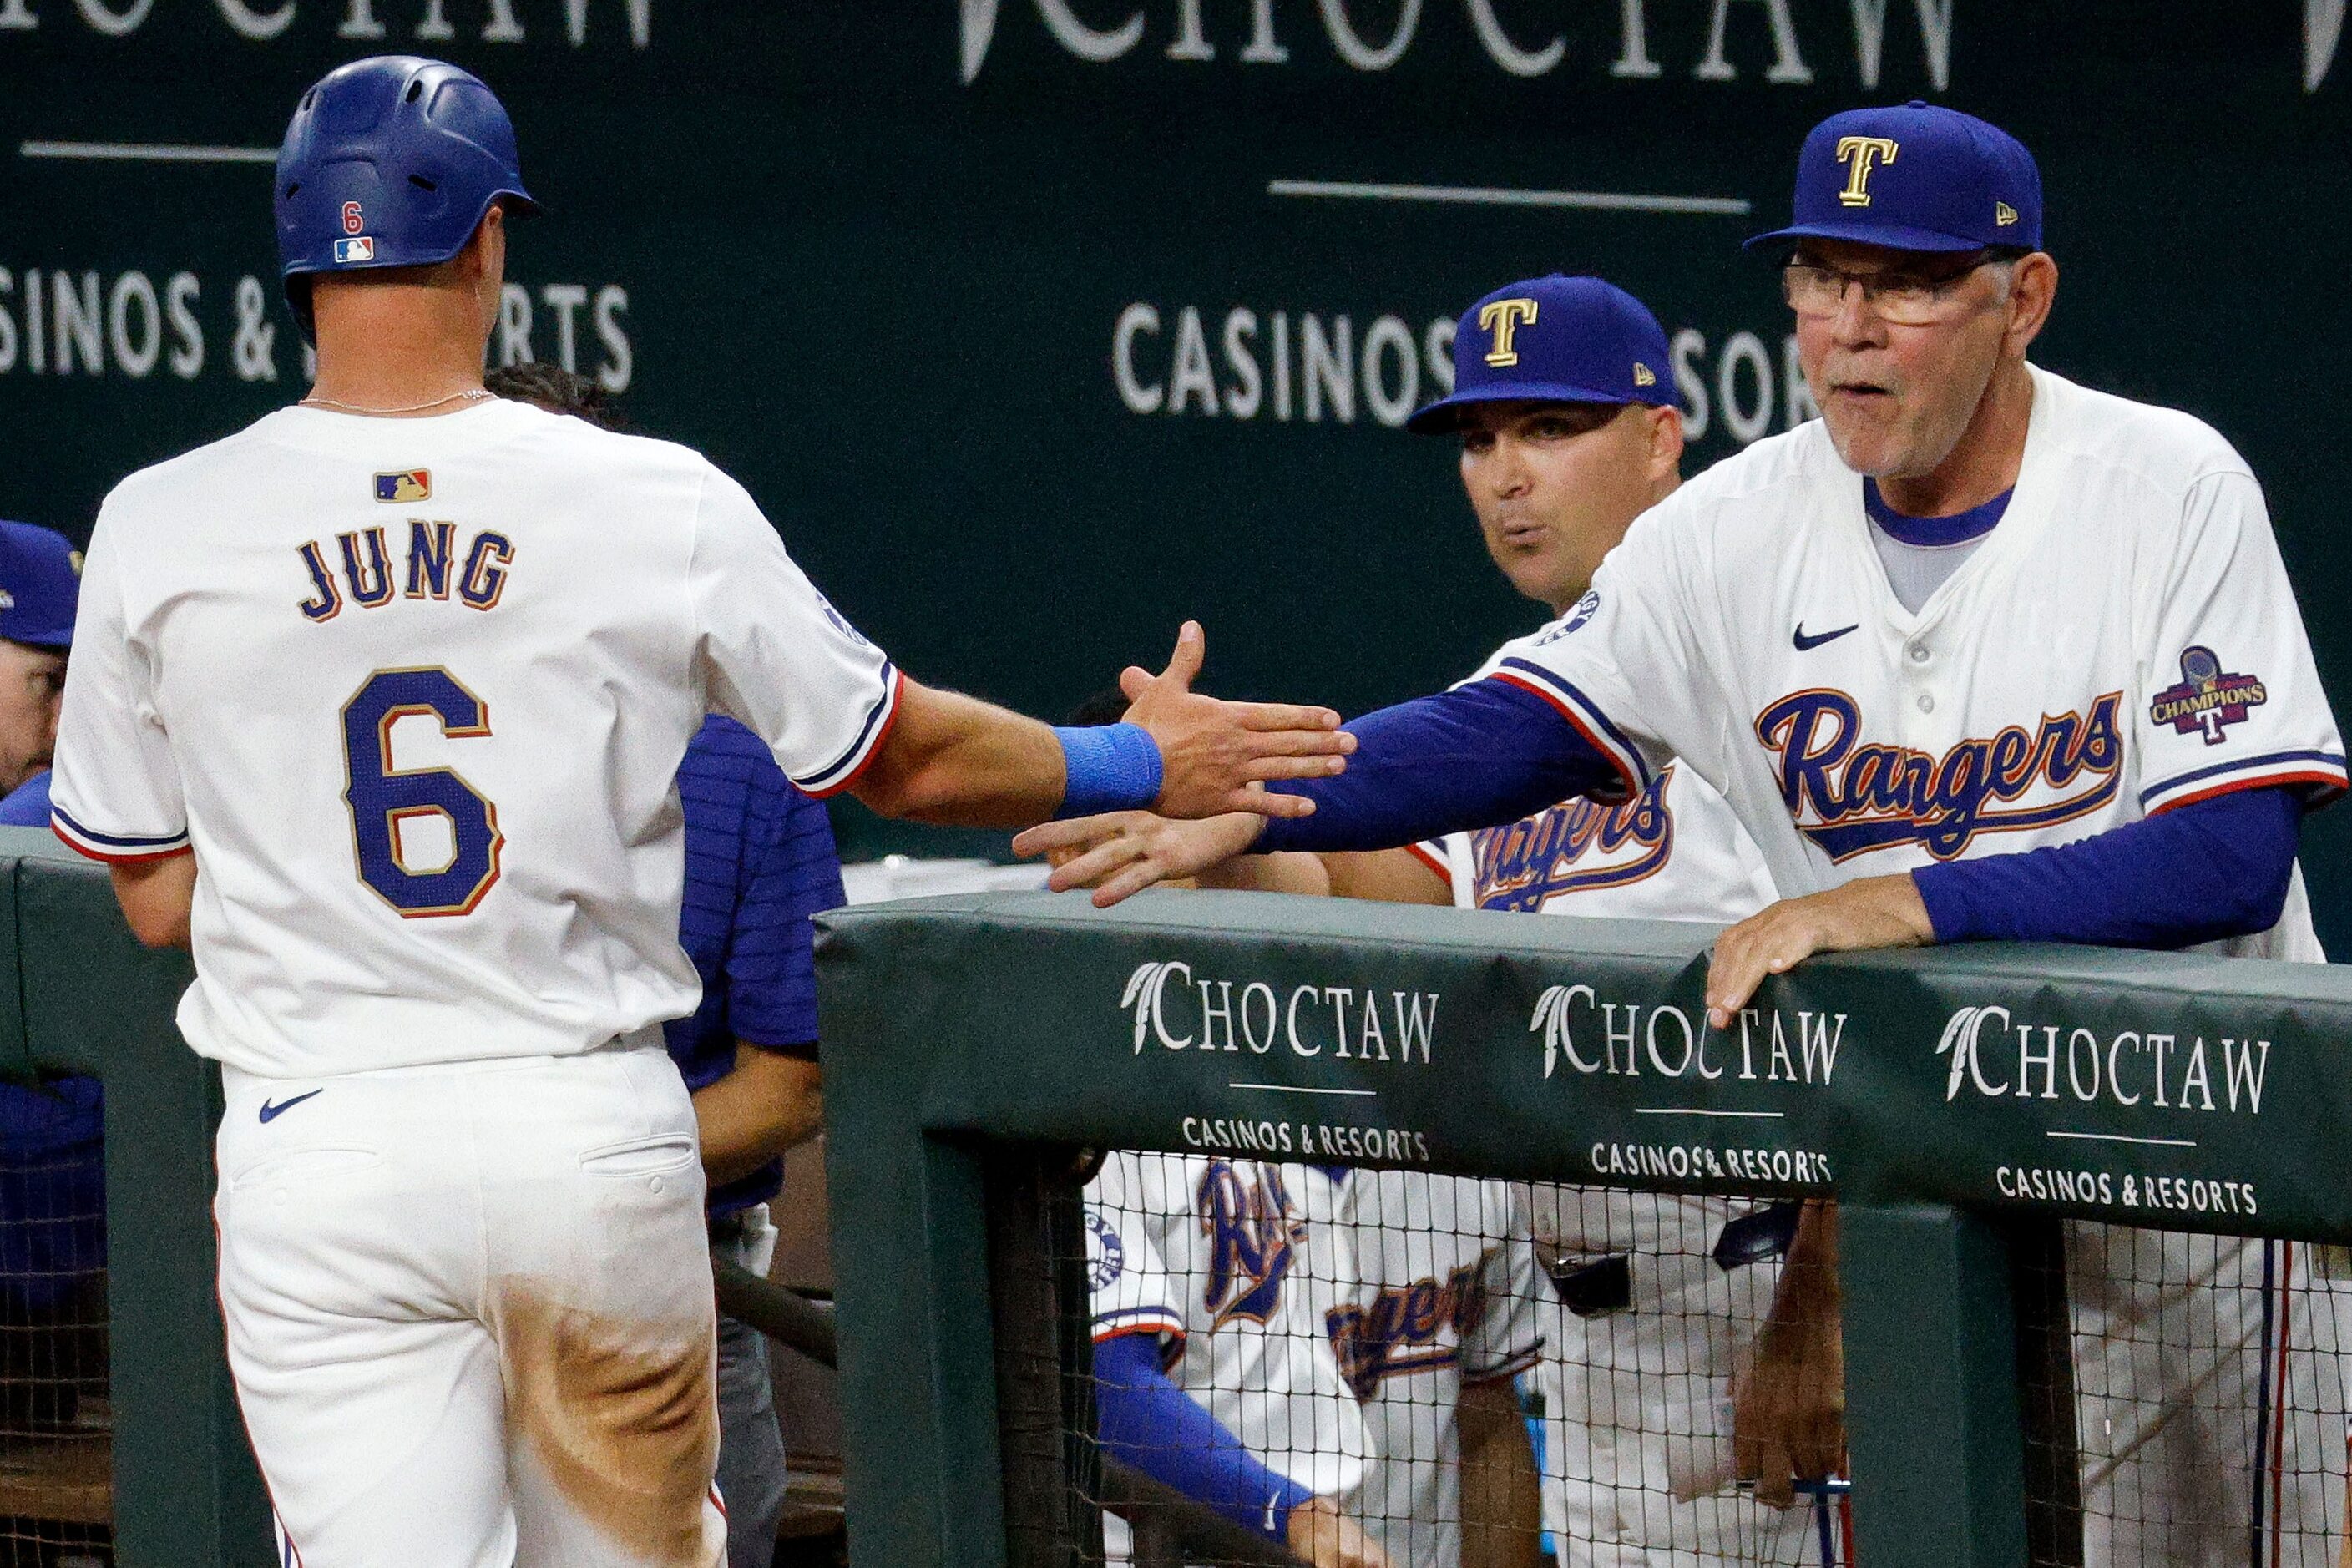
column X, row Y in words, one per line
column 434, row 907
column 1564, row 442
column 52, row 1133
column 760, row 861
column 1981, row 654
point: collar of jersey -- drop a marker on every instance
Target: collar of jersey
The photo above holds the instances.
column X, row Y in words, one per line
column 1931, row 532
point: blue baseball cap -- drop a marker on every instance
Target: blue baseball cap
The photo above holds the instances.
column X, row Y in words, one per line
column 1919, row 177
column 40, row 578
column 1554, row 340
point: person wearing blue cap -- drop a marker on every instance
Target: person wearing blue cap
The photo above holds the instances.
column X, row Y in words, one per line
column 52, row 1159
column 1979, row 653
column 40, row 577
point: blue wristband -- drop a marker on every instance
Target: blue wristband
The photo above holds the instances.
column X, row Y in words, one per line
column 1111, row 767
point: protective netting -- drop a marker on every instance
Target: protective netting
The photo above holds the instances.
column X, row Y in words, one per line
column 1471, row 1371
column 55, row 1424
column 2209, row 1388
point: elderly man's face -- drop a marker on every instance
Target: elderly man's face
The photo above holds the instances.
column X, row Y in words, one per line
column 1898, row 396
column 32, row 683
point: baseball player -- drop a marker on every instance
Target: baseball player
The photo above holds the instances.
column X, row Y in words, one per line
column 40, row 574
column 1982, row 653
column 760, row 861
column 1436, row 1313
column 379, row 704
column 1562, row 448
column 1212, row 1371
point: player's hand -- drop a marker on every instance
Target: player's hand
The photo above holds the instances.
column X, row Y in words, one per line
column 1121, row 853
column 1875, row 911
column 1327, row 1538
column 1787, row 1409
column 1211, row 752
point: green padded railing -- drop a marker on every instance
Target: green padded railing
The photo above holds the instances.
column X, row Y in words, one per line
column 86, row 998
column 1946, row 1096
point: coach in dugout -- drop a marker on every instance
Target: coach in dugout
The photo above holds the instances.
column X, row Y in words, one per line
column 1564, row 441
column 52, row 1151
column 760, row 861
column 1979, row 653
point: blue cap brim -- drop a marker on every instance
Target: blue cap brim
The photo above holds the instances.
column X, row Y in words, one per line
column 1893, row 237
column 1437, row 419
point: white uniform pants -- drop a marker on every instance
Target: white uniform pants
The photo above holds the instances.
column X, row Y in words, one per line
column 469, row 1313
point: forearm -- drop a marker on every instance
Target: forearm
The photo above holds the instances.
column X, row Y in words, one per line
column 1478, row 756
column 1293, row 872
column 1502, row 1515
column 157, row 897
column 1149, row 1424
column 768, row 1104
column 1807, row 1290
column 958, row 760
column 2211, row 869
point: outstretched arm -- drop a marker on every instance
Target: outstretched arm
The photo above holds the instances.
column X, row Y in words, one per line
column 1481, row 755
column 953, row 759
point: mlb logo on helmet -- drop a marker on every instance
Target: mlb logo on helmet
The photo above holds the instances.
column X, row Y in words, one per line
column 350, row 251
column 409, row 485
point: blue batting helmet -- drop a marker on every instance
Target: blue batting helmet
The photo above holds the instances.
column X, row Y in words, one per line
column 389, row 162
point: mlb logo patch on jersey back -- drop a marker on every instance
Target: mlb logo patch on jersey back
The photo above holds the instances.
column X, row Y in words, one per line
column 408, row 485
column 350, row 251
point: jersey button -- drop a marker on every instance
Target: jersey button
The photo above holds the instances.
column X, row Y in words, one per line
column 1927, row 703
column 1918, row 653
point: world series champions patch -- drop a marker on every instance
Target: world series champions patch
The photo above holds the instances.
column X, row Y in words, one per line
column 2207, row 698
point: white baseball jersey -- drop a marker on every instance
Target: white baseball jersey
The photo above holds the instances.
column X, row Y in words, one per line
column 416, row 692
column 1212, row 1256
column 2124, row 642
column 1437, row 1289
column 1675, row 852
column 1637, row 1446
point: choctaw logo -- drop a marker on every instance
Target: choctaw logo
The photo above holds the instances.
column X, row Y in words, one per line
column 1851, row 795
column 2207, row 698
column 1253, row 1234
column 1573, row 848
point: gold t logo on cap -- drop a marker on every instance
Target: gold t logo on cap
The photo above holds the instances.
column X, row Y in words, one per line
column 1861, row 154
column 1503, row 318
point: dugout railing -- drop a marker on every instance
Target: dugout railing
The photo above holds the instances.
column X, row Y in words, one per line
column 1959, row 1103
column 79, row 994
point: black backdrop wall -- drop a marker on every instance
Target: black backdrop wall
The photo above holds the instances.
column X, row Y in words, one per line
column 1040, row 324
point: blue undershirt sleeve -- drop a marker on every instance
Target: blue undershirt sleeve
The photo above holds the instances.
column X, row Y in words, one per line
column 2211, row 869
column 1477, row 756
column 1149, row 1424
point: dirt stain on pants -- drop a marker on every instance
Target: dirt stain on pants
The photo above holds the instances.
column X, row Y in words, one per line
column 622, row 1415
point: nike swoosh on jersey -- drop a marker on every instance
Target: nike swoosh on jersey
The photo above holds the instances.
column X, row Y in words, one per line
column 272, row 1110
column 1270, row 1502
column 1807, row 644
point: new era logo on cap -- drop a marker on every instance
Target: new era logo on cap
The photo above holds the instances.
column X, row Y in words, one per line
column 350, row 251
column 409, row 485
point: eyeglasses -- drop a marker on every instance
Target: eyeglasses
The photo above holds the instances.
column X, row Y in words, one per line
column 1899, row 297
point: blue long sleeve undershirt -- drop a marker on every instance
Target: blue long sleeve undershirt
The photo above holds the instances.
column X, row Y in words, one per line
column 1489, row 752
column 1146, row 1422
column 2211, row 869
column 1478, row 756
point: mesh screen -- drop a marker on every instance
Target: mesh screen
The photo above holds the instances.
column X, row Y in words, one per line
column 1486, row 1372
column 56, row 1491
column 2210, row 1393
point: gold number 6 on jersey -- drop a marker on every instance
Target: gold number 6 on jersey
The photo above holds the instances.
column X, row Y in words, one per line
column 381, row 798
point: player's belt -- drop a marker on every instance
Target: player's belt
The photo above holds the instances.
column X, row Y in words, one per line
column 1588, row 1287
